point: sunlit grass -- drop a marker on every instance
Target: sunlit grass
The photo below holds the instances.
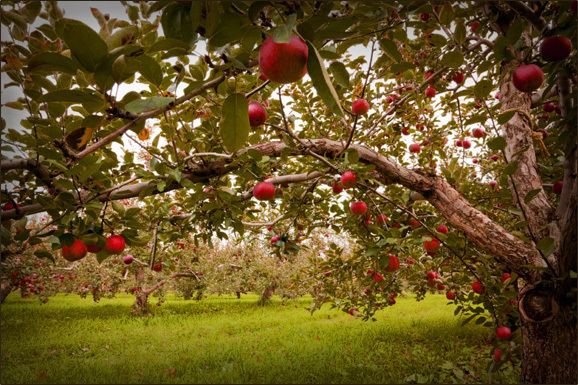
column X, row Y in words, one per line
column 225, row 340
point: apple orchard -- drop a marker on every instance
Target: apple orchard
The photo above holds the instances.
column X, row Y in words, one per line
column 347, row 150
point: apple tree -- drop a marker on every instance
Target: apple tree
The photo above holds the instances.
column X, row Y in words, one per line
column 441, row 131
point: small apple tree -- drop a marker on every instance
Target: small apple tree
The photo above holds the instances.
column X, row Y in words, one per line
column 455, row 114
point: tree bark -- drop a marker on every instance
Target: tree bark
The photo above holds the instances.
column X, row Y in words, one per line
column 5, row 289
column 267, row 294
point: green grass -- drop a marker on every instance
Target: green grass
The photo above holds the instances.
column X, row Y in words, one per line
column 225, row 340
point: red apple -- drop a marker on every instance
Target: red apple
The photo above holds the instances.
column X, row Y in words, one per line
column 337, row 187
column 358, row 208
column 451, row 295
column 432, row 275
column 478, row 132
column 503, row 333
column 348, row 179
column 393, row 264
column 424, row 16
column 459, row 143
column 493, row 184
column 77, row 250
column 414, row 223
column 477, row 287
column 441, row 286
column 275, row 239
column 474, row 26
column 284, row 62
column 498, row 95
column 505, row 277
column 442, row 229
column 158, row 266
column 466, row 144
column 414, row 148
column 369, row 272
column 475, row 161
column 114, row 244
column 431, row 245
column 495, row 157
column 264, row 191
column 428, row 75
column 128, row 259
column 405, row 131
column 377, row 277
column 557, row 187
column 360, row 107
column 458, row 77
column 528, row 77
column 352, row 311
column 497, row 355
column 549, row 107
column 391, row 300
column 257, row 114
column 381, row 219
column 367, row 221
column 555, row 48
column 430, row 92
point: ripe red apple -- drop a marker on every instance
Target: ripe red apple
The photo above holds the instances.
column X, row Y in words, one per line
column 352, row 311
column 528, row 77
column 337, row 187
column 128, row 259
column 158, row 266
column 493, row 184
column 359, row 107
column 477, row 287
column 381, row 219
column 505, row 277
column 451, row 295
column 262, row 76
column 114, row 244
column 405, row 131
column 495, row 157
column 557, row 187
column 396, row 225
column 264, row 191
column 428, row 75
column 498, row 95
column 414, row 223
column 497, row 355
column 283, row 62
column 474, row 26
column 549, row 107
column 77, row 250
column 478, row 132
column 10, row 206
column 555, row 48
column 430, row 92
column 441, row 286
column 377, row 277
column 393, row 264
column 369, row 272
column 475, row 161
column 442, row 229
column 431, row 245
column 431, row 275
column 459, row 143
column 348, row 179
column 424, row 16
column 458, row 77
column 503, row 333
column 466, row 144
column 257, row 114
column 275, row 239
column 367, row 221
column 93, row 248
column 391, row 300
column 414, row 148
column 358, row 208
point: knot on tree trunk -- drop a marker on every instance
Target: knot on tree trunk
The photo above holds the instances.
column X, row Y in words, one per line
column 538, row 303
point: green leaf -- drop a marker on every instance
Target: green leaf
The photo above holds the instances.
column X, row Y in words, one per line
column 50, row 62
column 195, row 14
column 390, row 49
column 256, row 8
column 177, row 24
column 510, row 168
column 228, row 32
column 321, row 81
column 546, row 245
column 166, row 44
column 148, row 104
column 84, row 43
column 496, row 144
column 483, row 88
column 453, row 59
column 91, row 100
column 149, row 68
column 282, row 33
column 340, row 73
column 505, row 117
column 31, row 10
column 44, row 254
column 234, row 128
column 531, row 195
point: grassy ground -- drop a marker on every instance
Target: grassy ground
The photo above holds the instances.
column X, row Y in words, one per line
column 225, row 340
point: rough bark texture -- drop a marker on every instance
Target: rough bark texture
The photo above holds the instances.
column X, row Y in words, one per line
column 5, row 289
column 267, row 294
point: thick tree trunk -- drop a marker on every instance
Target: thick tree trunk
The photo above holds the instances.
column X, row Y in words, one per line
column 549, row 353
column 267, row 294
column 5, row 289
column 141, row 306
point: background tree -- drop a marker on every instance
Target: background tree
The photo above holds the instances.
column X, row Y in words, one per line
column 455, row 113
